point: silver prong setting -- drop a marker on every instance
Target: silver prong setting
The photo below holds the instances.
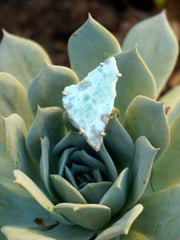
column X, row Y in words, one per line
column 119, row 74
column 101, row 64
column 103, row 134
column 81, row 131
column 64, row 93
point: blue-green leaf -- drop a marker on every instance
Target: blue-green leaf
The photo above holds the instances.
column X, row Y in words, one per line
column 74, row 139
column 61, row 232
column 173, row 112
column 5, row 163
column 119, row 144
column 71, row 140
column 171, row 100
column 108, row 162
column 157, row 45
column 146, row 117
column 15, row 130
column 21, row 57
column 136, row 80
column 81, row 157
column 93, row 192
column 48, row 122
column 115, row 197
column 166, row 171
column 161, row 216
column 135, row 235
column 171, row 97
column 47, row 86
column 13, row 99
column 140, row 170
column 121, row 226
column 90, row 216
column 37, row 194
column 18, row 208
column 44, row 167
column 65, row 190
column 90, row 45
column 32, row 188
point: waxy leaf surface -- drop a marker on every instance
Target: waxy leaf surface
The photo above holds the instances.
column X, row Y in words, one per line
column 157, row 45
column 46, row 88
column 90, row 45
column 90, row 216
column 22, row 58
column 140, row 170
column 13, row 99
column 136, row 80
column 48, row 122
column 160, row 218
column 166, row 170
column 121, row 226
column 143, row 118
column 61, row 232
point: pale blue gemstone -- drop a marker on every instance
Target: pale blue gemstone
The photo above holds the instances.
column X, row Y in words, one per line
column 90, row 102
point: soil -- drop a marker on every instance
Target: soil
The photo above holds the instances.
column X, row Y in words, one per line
column 51, row 22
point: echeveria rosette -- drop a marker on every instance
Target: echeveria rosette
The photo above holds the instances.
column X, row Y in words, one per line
column 82, row 194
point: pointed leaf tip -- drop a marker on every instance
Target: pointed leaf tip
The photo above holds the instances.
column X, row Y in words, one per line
column 94, row 41
column 28, row 57
column 157, row 45
column 90, row 103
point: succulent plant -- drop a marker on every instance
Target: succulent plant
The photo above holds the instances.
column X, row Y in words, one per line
column 94, row 151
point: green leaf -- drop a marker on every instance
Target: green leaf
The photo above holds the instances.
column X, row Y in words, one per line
column 90, row 45
column 171, row 97
column 161, row 216
column 15, row 130
column 104, row 156
column 119, row 144
column 44, row 167
column 121, row 226
column 136, row 80
column 62, row 161
column 171, row 101
column 32, row 188
column 5, row 163
column 166, row 170
column 146, row 117
column 115, row 197
column 21, row 57
column 173, row 112
column 46, row 88
column 61, row 232
column 48, row 122
column 157, row 45
column 72, row 139
column 90, row 216
column 18, row 208
column 37, row 194
column 25, row 233
column 13, row 99
column 65, row 190
column 93, row 192
column 135, row 235
column 81, row 157
column 140, row 170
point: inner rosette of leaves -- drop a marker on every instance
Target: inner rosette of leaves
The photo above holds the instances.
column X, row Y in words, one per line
column 94, row 154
